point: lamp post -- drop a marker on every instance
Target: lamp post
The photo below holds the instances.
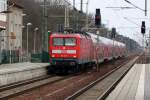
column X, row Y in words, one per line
column 113, row 35
column 20, row 49
column 35, row 31
column 28, row 24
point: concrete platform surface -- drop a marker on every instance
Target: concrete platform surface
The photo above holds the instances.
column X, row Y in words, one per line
column 10, row 73
column 134, row 86
column 17, row 67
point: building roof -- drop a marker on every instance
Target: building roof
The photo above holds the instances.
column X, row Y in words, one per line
column 2, row 25
column 13, row 2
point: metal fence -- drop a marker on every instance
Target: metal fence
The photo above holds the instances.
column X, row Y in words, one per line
column 5, row 57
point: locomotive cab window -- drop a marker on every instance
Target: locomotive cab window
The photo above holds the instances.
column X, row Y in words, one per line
column 58, row 41
column 64, row 41
column 70, row 41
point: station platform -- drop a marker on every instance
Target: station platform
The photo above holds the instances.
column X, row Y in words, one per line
column 10, row 73
column 134, row 86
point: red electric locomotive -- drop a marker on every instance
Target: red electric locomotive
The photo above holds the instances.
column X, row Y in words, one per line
column 67, row 51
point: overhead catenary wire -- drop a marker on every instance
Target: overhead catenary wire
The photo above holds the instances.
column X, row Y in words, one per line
column 134, row 5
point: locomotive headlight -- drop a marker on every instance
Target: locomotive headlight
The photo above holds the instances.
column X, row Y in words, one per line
column 74, row 56
column 53, row 56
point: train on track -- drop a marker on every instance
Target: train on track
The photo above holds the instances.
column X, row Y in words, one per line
column 74, row 51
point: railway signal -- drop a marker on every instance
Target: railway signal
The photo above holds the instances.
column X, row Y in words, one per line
column 98, row 18
column 143, row 28
column 113, row 33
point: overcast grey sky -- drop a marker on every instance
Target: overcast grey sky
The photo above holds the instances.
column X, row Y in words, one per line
column 129, row 26
column 2, row 6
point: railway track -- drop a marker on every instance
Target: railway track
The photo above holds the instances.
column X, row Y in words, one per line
column 53, row 88
column 8, row 91
column 105, row 93
column 13, row 85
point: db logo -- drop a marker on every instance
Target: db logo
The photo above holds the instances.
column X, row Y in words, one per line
column 64, row 51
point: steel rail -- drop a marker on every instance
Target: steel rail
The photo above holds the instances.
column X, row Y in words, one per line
column 20, row 89
column 13, row 85
column 84, row 89
column 112, row 87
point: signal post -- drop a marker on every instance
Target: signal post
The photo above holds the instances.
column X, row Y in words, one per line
column 98, row 25
column 143, row 31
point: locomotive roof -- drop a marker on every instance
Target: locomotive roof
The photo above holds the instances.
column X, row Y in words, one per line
column 105, row 40
column 69, row 35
